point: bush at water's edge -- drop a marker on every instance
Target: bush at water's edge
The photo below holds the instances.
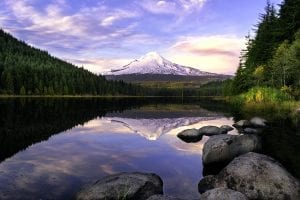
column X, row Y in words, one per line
column 268, row 102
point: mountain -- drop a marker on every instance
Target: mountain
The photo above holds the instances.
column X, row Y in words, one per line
column 153, row 63
column 27, row 70
column 154, row 68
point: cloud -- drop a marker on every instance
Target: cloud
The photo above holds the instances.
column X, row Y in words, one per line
column 99, row 65
column 174, row 7
column 117, row 15
column 100, row 35
column 219, row 53
column 159, row 7
column 54, row 28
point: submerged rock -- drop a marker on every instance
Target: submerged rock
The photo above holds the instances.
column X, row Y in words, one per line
column 123, row 186
column 251, row 131
column 257, row 176
column 211, row 130
column 190, row 135
column 162, row 197
column 226, row 127
column 258, row 122
column 222, row 148
column 223, row 194
column 242, row 124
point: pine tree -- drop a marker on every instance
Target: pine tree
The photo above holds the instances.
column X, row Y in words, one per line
column 289, row 20
column 7, row 81
column 22, row 91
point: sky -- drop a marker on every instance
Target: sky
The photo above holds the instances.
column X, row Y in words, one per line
column 104, row 34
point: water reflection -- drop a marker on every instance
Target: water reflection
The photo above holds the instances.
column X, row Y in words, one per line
column 85, row 140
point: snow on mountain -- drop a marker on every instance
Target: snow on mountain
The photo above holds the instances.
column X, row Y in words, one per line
column 152, row 129
column 153, row 63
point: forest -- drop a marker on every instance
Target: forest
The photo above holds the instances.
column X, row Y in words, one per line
column 25, row 70
column 269, row 66
column 271, row 60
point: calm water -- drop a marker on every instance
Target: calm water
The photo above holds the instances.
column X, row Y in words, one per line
column 50, row 148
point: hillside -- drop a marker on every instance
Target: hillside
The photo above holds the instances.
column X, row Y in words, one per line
column 26, row 70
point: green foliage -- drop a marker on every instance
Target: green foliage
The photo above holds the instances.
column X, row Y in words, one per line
column 285, row 66
column 289, row 20
column 216, row 88
column 22, row 91
column 272, row 57
column 263, row 95
column 266, row 101
column 259, row 73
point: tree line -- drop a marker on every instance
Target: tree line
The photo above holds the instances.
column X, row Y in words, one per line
column 272, row 56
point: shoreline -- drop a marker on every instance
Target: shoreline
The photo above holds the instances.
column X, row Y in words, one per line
column 104, row 96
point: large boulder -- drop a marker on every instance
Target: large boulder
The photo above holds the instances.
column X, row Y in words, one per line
column 123, row 186
column 242, row 124
column 257, row 176
column 223, row 148
column 258, row 122
column 223, row 194
column 211, row 130
column 190, row 135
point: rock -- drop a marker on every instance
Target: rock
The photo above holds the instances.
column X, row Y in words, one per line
column 257, row 176
column 242, row 124
column 161, row 197
column 190, row 135
column 211, row 130
column 207, row 183
column 258, row 122
column 251, row 131
column 298, row 111
column 226, row 127
column 223, row 194
column 123, row 186
column 222, row 148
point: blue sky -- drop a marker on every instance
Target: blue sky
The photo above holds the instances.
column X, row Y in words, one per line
column 99, row 35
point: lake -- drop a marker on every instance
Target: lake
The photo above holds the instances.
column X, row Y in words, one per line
column 50, row 148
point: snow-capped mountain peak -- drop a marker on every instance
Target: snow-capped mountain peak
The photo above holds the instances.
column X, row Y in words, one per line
column 153, row 56
column 153, row 63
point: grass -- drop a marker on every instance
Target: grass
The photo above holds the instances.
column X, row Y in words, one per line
column 267, row 102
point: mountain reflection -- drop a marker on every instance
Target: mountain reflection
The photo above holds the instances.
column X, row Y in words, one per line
column 68, row 143
column 152, row 129
column 24, row 122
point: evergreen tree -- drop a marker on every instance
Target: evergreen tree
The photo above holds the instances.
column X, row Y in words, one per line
column 289, row 19
column 7, row 82
column 22, row 91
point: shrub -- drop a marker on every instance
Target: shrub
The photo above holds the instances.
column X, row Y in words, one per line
column 264, row 95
